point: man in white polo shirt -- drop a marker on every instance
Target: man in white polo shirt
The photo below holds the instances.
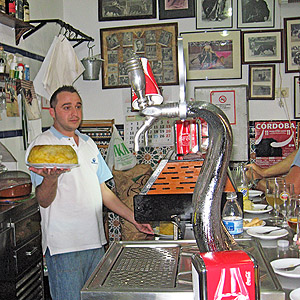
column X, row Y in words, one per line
column 71, row 201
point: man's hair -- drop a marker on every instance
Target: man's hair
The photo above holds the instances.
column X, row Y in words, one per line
column 64, row 88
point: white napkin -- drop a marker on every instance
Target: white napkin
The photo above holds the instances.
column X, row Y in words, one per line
column 64, row 66
column 38, row 80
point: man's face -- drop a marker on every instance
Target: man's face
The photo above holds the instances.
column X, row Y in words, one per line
column 67, row 113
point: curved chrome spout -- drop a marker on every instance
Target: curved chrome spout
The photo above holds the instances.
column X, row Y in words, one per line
column 144, row 128
column 210, row 233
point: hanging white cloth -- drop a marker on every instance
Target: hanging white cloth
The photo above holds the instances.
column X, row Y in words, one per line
column 64, row 66
column 38, row 80
column 60, row 67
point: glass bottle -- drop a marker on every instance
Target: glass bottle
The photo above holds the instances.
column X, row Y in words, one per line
column 2, row 6
column 26, row 11
column 242, row 181
column 232, row 215
column 11, row 7
column 2, row 60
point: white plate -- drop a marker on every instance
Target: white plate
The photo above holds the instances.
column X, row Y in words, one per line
column 295, row 294
column 50, row 166
column 259, row 209
column 246, row 227
column 255, row 193
column 257, row 232
column 286, row 262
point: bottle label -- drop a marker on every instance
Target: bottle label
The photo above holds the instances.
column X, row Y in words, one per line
column 234, row 225
column 245, row 192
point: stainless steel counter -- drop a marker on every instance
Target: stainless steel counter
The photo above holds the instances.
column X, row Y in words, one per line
column 162, row 270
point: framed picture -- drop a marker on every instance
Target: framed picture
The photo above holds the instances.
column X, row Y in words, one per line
column 292, row 44
column 212, row 55
column 262, row 46
column 255, row 13
column 297, row 97
column 158, row 43
column 213, row 14
column 110, row 10
column 176, row 9
column 262, row 82
column 232, row 99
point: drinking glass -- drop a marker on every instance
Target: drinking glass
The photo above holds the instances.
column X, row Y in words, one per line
column 283, row 194
column 294, row 213
column 270, row 196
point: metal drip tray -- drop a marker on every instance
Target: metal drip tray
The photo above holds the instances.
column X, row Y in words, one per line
column 145, row 268
column 162, row 270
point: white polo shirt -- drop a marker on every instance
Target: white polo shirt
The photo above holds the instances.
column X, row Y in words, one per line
column 74, row 220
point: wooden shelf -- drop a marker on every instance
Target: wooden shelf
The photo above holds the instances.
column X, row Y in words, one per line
column 20, row 26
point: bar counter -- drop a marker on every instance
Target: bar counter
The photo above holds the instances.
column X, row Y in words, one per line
column 107, row 283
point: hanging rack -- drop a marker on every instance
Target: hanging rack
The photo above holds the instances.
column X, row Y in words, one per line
column 78, row 36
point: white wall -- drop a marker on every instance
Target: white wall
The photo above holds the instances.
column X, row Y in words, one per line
column 108, row 103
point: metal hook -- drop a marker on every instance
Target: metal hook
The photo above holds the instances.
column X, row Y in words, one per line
column 60, row 30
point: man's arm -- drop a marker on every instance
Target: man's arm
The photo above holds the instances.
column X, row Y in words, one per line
column 112, row 202
column 278, row 169
column 45, row 192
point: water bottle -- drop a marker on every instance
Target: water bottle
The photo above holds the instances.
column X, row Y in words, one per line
column 232, row 215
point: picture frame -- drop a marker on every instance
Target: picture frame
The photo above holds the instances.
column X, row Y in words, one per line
column 292, row 44
column 111, row 10
column 232, row 99
column 255, row 13
column 176, row 9
column 262, row 46
column 157, row 42
column 213, row 14
column 297, row 97
column 261, row 82
column 209, row 55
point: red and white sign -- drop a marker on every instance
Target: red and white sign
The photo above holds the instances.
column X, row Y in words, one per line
column 274, row 140
column 225, row 100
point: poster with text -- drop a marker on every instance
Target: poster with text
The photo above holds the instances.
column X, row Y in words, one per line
column 274, row 140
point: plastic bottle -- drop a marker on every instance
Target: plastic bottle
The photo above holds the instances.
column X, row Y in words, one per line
column 2, row 60
column 26, row 11
column 12, row 68
column 26, row 72
column 20, row 68
column 232, row 215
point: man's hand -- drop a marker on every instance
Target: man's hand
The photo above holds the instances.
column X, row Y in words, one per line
column 258, row 172
column 145, row 228
column 49, row 172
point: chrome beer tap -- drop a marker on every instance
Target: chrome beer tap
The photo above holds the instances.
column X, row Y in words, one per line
column 210, row 233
